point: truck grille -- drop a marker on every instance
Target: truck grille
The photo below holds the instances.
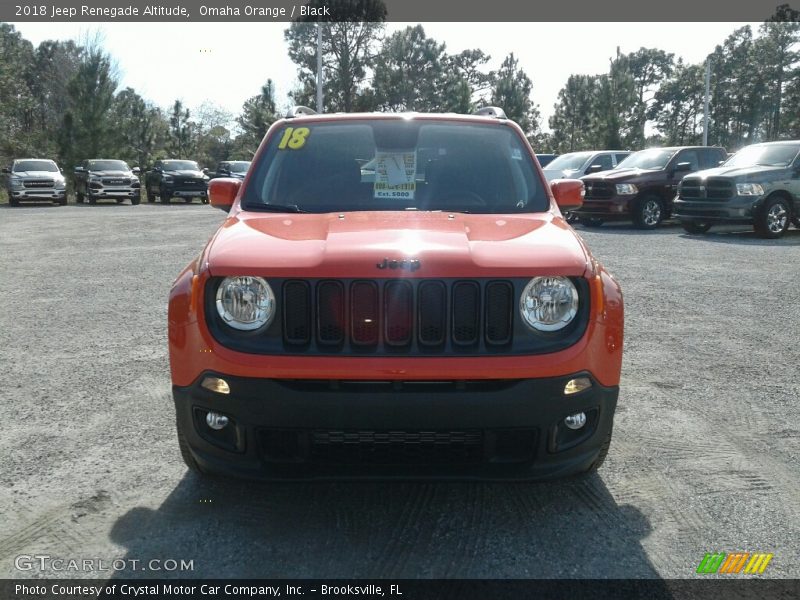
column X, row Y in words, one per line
column 598, row 190
column 116, row 181
column 190, row 183
column 38, row 183
column 394, row 314
column 695, row 188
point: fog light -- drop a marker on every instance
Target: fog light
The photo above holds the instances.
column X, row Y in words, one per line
column 577, row 385
column 215, row 384
column 217, row 421
column 575, row 421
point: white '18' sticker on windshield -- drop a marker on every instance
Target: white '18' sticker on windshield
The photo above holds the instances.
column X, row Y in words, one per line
column 395, row 174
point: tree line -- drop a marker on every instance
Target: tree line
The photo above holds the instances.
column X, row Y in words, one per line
column 61, row 99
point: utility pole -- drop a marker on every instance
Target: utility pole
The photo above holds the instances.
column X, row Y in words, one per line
column 705, row 103
column 319, row 67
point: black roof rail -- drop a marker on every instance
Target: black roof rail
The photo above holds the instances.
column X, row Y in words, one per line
column 491, row 111
column 299, row 111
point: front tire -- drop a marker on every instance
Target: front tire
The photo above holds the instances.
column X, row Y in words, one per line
column 79, row 198
column 695, row 228
column 648, row 212
column 773, row 219
column 591, row 222
column 92, row 199
column 163, row 196
column 136, row 200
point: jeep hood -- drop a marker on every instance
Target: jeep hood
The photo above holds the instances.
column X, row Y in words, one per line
column 326, row 245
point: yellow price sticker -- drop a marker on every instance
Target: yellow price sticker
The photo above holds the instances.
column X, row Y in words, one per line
column 294, row 139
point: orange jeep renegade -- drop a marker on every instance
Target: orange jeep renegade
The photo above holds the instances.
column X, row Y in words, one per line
column 395, row 295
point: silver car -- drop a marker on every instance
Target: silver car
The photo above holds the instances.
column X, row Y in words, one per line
column 35, row 179
column 574, row 165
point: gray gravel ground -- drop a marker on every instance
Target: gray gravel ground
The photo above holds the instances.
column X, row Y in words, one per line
column 705, row 457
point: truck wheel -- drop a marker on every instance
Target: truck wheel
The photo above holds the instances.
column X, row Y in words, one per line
column 648, row 212
column 79, row 198
column 695, row 228
column 163, row 196
column 136, row 200
column 204, row 200
column 590, row 222
column 186, row 453
column 63, row 201
column 13, row 201
column 773, row 218
column 92, row 199
column 151, row 197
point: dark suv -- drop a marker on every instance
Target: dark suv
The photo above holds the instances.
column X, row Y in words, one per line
column 181, row 178
column 229, row 168
column 643, row 185
column 114, row 179
column 760, row 186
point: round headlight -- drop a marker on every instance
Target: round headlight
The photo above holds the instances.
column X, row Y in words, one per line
column 548, row 303
column 245, row 303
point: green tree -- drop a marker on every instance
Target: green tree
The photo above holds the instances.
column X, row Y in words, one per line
column 778, row 57
column 87, row 130
column 348, row 51
column 181, row 142
column 678, row 105
column 17, row 103
column 648, row 68
column 408, row 72
column 571, row 123
column 258, row 113
column 511, row 91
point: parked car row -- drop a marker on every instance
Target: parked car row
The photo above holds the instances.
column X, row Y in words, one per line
column 698, row 185
column 100, row 179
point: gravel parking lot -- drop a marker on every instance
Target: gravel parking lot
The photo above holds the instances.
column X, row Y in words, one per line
column 705, row 457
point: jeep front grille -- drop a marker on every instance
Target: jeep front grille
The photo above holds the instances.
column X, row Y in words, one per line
column 395, row 314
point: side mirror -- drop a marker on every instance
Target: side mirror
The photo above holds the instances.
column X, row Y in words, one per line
column 60, row 169
column 222, row 192
column 594, row 169
column 78, row 170
column 205, row 170
column 136, row 170
column 683, row 166
column 6, row 170
column 568, row 193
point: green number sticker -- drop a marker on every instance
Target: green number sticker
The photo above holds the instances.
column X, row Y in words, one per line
column 294, row 139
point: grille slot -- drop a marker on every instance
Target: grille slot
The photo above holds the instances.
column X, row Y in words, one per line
column 38, row 183
column 499, row 312
column 330, row 313
column 399, row 311
column 296, row 312
column 466, row 311
column 397, row 447
column 365, row 321
column 432, row 313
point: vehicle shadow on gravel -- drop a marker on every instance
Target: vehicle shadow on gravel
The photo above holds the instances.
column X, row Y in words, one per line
column 747, row 237
column 231, row 528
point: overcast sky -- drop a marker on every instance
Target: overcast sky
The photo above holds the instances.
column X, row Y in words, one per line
column 226, row 63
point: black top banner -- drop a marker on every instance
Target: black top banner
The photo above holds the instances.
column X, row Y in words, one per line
column 394, row 10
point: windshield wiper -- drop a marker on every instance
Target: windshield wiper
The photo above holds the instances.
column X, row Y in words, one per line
column 290, row 208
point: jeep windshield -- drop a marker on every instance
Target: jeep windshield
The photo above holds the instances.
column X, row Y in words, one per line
column 108, row 165
column 767, row 155
column 180, row 165
column 657, row 158
column 389, row 165
column 35, row 165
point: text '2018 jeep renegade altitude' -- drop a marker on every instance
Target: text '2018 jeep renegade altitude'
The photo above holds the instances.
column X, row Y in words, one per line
column 395, row 295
